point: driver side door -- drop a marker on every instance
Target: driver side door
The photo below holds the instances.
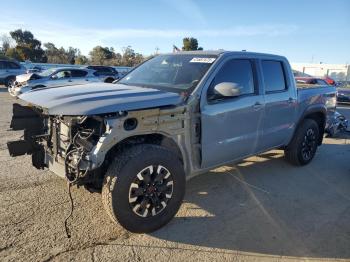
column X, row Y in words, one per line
column 231, row 127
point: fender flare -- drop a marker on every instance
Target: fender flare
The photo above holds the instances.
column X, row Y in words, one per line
column 314, row 109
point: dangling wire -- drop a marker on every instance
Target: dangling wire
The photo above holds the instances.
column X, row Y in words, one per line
column 71, row 210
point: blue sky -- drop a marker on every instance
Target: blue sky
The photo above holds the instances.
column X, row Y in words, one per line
column 302, row 30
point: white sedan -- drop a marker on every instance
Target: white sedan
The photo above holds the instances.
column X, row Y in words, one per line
column 54, row 77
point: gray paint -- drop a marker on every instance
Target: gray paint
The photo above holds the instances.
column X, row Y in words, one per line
column 99, row 98
column 230, row 130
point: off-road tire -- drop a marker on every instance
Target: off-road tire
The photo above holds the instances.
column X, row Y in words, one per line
column 294, row 151
column 122, row 172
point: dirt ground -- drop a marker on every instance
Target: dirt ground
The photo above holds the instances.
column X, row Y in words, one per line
column 262, row 209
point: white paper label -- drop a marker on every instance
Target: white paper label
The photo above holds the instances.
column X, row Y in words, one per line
column 206, row 60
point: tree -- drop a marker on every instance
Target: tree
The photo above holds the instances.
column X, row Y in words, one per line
column 99, row 55
column 130, row 58
column 12, row 53
column 60, row 55
column 190, row 44
column 55, row 55
column 6, row 43
column 27, row 47
column 81, row 60
column 71, row 54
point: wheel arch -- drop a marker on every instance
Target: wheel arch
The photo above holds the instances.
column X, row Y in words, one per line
column 318, row 114
column 6, row 79
column 109, row 79
column 151, row 138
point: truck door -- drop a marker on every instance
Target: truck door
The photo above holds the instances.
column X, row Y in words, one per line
column 280, row 104
column 231, row 125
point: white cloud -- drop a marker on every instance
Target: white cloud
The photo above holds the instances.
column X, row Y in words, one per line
column 86, row 38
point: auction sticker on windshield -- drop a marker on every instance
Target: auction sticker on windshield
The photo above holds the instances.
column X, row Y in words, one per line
column 206, row 60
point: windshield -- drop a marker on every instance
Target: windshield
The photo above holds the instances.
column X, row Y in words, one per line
column 47, row 72
column 177, row 72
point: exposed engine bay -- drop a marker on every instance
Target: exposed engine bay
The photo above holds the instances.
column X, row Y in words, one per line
column 63, row 140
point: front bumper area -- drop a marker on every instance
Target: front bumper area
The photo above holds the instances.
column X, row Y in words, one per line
column 61, row 144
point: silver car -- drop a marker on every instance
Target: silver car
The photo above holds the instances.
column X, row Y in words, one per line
column 54, row 77
column 9, row 70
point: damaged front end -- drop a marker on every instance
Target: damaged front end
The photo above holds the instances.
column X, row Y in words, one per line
column 33, row 123
column 60, row 143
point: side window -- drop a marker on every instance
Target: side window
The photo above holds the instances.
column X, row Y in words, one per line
column 321, row 82
column 13, row 65
column 78, row 73
column 62, row 75
column 104, row 71
column 236, row 71
column 274, row 78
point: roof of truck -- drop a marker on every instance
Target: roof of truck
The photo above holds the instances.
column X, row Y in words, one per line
column 219, row 52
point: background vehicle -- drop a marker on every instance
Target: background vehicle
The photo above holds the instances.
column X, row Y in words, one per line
column 106, row 73
column 54, row 77
column 343, row 95
column 9, row 70
column 34, row 69
column 172, row 117
column 311, row 81
column 330, row 81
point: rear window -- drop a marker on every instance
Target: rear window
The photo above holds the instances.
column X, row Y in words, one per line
column 274, row 78
column 78, row 73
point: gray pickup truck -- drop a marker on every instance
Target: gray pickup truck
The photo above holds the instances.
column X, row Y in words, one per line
column 172, row 117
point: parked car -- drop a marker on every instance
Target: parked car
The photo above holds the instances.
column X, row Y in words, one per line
column 9, row 70
column 54, row 77
column 106, row 73
column 34, row 69
column 172, row 117
column 330, row 81
column 311, row 81
column 343, row 95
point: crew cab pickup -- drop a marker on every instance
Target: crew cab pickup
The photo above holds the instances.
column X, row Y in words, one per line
column 172, row 117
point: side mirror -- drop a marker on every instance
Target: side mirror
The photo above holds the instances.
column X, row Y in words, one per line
column 54, row 77
column 227, row 89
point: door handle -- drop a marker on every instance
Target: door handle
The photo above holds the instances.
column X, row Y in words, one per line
column 69, row 80
column 291, row 100
column 257, row 106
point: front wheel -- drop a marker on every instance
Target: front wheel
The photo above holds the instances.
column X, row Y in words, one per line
column 303, row 146
column 9, row 81
column 144, row 187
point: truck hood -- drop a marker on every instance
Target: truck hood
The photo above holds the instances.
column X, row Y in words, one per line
column 98, row 98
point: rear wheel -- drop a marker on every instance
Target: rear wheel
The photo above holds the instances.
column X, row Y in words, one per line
column 303, row 146
column 109, row 80
column 143, row 188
